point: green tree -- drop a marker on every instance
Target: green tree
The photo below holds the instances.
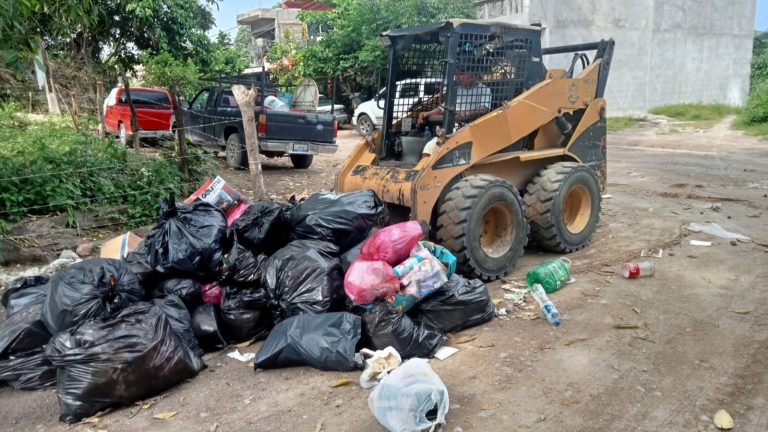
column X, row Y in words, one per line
column 352, row 48
column 164, row 70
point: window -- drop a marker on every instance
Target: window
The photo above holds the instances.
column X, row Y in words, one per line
column 201, row 100
column 431, row 88
column 409, row 90
column 228, row 99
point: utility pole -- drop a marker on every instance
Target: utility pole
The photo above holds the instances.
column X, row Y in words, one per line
column 134, row 122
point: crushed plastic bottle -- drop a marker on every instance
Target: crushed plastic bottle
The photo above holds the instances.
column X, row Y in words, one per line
column 551, row 274
column 548, row 309
column 631, row 270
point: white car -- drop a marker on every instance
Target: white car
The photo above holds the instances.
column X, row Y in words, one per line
column 368, row 116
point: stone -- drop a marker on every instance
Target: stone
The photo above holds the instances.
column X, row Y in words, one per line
column 84, row 249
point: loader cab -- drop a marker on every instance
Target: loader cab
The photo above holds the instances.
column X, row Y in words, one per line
column 481, row 65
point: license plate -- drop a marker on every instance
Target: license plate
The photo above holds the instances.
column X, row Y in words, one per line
column 301, row 148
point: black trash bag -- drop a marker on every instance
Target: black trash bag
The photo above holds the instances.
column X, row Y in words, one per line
column 181, row 321
column 118, row 361
column 23, row 332
column 94, row 288
column 325, row 341
column 305, row 277
column 25, row 291
column 189, row 239
column 189, row 291
column 460, row 303
column 28, row 371
column 206, row 326
column 245, row 314
column 242, row 266
column 342, row 219
column 264, row 227
column 138, row 261
column 383, row 327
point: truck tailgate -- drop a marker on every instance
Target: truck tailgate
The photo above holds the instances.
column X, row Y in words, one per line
column 299, row 126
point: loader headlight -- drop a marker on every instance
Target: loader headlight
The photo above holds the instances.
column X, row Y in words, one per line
column 461, row 155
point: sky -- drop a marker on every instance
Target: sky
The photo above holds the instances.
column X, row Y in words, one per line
column 226, row 16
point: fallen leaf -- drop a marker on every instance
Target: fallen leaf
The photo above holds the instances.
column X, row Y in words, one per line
column 90, row 420
column 319, row 427
column 740, row 311
column 577, row 340
column 341, row 382
column 244, row 344
column 645, row 338
column 251, row 364
column 465, row 339
column 754, row 215
column 637, row 311
column 165, row 415
column 146, row 406
column 528, row 315
column 626, row 326
column 571, row 401
column 490, row 405
column 497, row 301
column 723, row 420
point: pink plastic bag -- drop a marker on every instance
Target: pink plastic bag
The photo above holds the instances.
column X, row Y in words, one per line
column 212, row 293
column 366, row 281
column 392, row 244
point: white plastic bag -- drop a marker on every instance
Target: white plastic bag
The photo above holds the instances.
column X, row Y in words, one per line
column 715, row 230
column 404, row 397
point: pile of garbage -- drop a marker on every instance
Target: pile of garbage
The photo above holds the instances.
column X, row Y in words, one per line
column 323, row 280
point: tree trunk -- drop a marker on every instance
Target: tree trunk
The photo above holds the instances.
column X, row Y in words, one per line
column 246, row 100
column 75, row 113
column 182, row 149
column 50, row 91
column 100, row 107
column 134, row 120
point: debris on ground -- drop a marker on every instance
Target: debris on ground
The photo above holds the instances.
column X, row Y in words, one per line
column 218, row 270
column 722, row 420
column 411, row 398
column 716, row 230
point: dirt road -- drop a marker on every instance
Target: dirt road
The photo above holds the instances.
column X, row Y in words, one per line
column 699, row 346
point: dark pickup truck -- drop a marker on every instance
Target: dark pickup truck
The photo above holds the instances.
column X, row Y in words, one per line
column 213, row 119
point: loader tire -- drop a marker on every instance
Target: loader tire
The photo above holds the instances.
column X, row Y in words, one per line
column 482, row 221
column 563, row 206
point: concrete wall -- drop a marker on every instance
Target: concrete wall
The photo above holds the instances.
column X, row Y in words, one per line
column 667, row 51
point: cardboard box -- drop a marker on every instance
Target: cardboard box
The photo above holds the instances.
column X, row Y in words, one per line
column 118, row 247
column 218, row 193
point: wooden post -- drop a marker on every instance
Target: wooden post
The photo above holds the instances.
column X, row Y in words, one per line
column 30, row 102
column 74, row 113
column 50, row 91
column 134, row 122
column 100, row 106
column 246, row 100
column 178, row 114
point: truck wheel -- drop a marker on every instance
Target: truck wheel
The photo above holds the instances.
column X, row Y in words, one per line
column 301, row 161
column 365, row 125
column 563, row 206
column 237, row 156
column 482, row 221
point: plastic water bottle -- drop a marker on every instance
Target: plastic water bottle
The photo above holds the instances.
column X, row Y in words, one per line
column 547, row 307
column 551, row 274
column 631, row 270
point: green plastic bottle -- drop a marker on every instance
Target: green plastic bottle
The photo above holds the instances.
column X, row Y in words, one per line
column 551, row 274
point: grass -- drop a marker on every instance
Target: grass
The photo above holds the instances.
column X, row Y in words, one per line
column 696, row 112
column 616, row 124
column 759, row 129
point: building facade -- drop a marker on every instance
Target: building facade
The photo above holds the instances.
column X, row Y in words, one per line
column 667, row 51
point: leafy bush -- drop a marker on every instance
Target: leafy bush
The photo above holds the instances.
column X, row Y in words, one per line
column 695, row 112
column 46, row 168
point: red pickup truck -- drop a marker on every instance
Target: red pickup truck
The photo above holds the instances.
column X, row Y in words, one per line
column 154, row 113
